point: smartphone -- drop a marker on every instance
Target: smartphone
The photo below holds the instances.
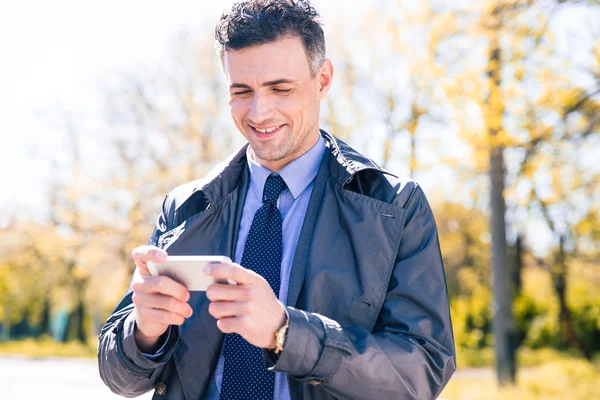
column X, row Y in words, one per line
column 187, row 270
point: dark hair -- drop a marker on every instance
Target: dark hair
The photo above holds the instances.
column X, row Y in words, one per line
column 255, row 22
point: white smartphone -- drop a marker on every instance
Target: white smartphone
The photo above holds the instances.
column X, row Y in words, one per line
column 187, row 270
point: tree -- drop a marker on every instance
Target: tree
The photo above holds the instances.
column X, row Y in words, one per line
column 557, row 154
column 517, row 38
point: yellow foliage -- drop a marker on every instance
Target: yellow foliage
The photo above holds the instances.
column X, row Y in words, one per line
column 79, row 272
column 519, row 73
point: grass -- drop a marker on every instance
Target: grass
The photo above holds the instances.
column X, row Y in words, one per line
column 572, row 379
column 546, row 374
column 46, row 347
column 477, row 358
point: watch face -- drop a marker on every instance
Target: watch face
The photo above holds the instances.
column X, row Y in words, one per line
column 283, row 335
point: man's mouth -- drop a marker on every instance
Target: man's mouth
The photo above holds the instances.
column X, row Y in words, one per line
column 266, row 132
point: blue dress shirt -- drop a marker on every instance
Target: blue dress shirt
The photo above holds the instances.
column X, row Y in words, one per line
column 299, row 176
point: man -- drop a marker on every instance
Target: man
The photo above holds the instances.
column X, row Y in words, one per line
column 340, row 285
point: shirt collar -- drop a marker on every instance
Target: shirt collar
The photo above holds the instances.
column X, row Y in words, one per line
column 297, row 175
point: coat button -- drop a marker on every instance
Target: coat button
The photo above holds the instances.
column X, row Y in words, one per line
column 314, row 382
column 161, row 389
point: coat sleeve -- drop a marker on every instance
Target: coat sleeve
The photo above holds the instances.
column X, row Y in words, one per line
column 123, row 367
column 410, row 353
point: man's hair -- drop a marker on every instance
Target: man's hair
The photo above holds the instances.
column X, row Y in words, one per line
column 255, row 22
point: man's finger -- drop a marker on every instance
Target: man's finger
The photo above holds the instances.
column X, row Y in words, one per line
column 224, row 309
column 141, row 255
column 152, row 315
column 230, row 324
column 162, row 302
column 162, row 285
column 226, row 292
column 235, row 272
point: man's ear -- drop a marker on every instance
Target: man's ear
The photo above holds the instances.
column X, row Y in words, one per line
column 325, row 78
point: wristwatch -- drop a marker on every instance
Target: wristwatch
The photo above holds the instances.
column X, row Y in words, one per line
column 281, row 335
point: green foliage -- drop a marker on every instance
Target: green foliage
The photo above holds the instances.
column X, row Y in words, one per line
column 535, row 311
column 467, row 357
column 472, row 319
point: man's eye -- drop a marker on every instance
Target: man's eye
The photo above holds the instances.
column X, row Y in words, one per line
column 282, row 90
column 243, row 92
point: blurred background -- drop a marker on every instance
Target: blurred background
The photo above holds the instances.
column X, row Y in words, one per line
column 493, row 106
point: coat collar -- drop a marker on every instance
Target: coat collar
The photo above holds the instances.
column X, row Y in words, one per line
column 347, row 162
column 224, row 178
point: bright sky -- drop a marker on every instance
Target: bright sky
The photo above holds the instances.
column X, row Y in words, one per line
column 53, row 56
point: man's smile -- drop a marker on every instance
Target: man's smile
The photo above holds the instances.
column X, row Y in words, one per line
column 264, row 133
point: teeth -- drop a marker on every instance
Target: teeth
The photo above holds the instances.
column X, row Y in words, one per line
column 269, row 130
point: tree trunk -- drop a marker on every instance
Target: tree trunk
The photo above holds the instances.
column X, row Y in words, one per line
column 565, row 317
column 517, row 266
column 44, row 326
column 80, row 317
column 504, row 326
column 76, row 328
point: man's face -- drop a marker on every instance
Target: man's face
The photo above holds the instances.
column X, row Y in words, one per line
column 274, row 101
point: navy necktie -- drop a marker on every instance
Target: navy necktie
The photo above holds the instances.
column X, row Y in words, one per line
column 244, row 372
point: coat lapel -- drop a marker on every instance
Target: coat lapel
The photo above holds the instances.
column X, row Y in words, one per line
column 298, row 269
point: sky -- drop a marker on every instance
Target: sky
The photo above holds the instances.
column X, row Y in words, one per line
column 53, row 56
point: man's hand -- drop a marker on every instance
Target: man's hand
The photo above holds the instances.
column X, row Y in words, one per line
column 250, row 309
column 159, row 300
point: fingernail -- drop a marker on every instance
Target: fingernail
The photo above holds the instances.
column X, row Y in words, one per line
column 160, row 254
column 207, row 270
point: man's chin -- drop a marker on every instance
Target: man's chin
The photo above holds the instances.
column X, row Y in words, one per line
column 271, row 157
column 266, row 154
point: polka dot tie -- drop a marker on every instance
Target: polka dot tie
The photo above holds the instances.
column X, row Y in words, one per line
column 244, row 373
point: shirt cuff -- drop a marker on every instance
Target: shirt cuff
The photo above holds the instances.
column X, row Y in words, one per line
column 158, row 353
column 130, row 355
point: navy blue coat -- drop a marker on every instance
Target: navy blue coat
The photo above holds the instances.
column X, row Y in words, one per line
column 368, row 303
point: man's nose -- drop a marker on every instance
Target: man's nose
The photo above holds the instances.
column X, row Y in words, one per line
column 261, row 109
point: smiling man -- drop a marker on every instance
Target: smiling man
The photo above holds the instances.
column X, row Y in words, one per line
column 340, row 284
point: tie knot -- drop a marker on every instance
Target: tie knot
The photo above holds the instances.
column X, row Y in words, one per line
column 273, row 186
